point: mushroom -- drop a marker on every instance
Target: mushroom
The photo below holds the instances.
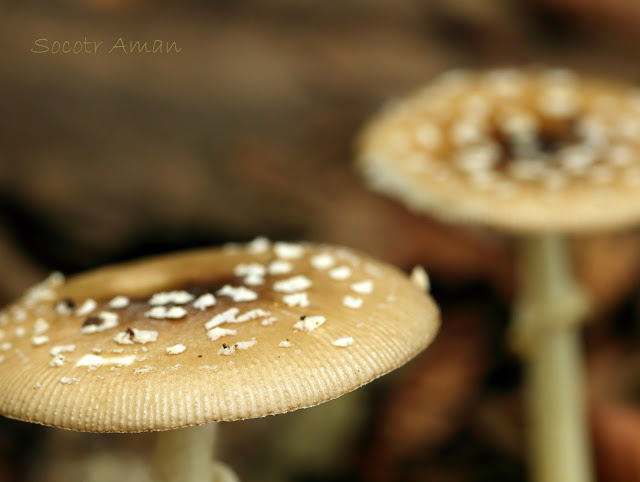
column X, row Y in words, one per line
column 539, row 153
column 173, row 343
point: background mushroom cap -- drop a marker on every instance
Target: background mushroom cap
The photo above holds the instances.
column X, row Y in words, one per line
column 158, row 362
column 524, row 150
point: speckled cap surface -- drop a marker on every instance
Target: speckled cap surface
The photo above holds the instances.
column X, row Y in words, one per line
column 221, row 334
column 522, row 150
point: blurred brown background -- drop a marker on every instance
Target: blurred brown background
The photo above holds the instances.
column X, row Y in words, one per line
column 248, row 131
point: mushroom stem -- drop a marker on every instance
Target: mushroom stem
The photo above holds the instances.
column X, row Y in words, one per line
column 546, row 332
column 186, row 455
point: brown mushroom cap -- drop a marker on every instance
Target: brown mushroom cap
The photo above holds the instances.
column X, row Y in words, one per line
column 311, row 323
column 530, row 150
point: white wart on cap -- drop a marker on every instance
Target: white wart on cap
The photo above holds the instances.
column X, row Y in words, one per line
column 206, row 336
column 518, row 149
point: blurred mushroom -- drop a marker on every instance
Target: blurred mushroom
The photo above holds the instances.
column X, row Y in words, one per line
column 206, row 336
column 539, row 153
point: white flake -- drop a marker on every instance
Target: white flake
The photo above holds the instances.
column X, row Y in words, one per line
column 123, row 338
column 420, row 278
column 57, row 361
column 97, row 360
column 87, row 307
column 164, row 313
column 39, row 340
column 144, row 336
column 467, row 132
column 20, row 331
column 309, row 323
column 251, row 315
column 228, row 316
column 250, row 269
column 6, row 346
column 56, row 350
column 119, row 302
column 107, row 320
column 43, row 290
column 254, row 279
column 204, row 301
column 592, row 130
column 363, row 287
column 253, row 273
column 279, row 266
column 352, row 301
column 245, row 345
column 322, row 261
column 479, row 157
column 291, row 285
column 296, row 299
column 340, row 273
column 284, row 344
column 218, row 332
column 343, row 342
column 259, row 245
column 69, row 381
column 40, row 326
column 63, row 307
column 143, row 370
column 241, row 345
column 577, row 158
column 171, row 297
column 227, row 350
column 19, row 315
column 269, row 321
column 288, row 250
column 134, row 335
column 237, row 293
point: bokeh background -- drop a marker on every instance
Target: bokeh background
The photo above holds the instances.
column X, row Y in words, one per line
column 249, row 130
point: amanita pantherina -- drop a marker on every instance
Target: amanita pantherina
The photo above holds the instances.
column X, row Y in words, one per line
column 538, row 153
column 214, row 335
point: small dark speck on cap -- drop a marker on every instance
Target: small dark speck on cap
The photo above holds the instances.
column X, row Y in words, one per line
column 130, row 332
column 92, row 320
column 303, row 317
column 66, row 302
column 225, row 346
column 199, row 356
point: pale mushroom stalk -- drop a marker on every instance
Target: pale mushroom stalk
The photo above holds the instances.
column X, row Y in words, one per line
column 187, row 455
column 545, row 331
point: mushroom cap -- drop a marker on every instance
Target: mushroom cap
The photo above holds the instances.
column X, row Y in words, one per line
column 211, row 335
column 521, row 150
